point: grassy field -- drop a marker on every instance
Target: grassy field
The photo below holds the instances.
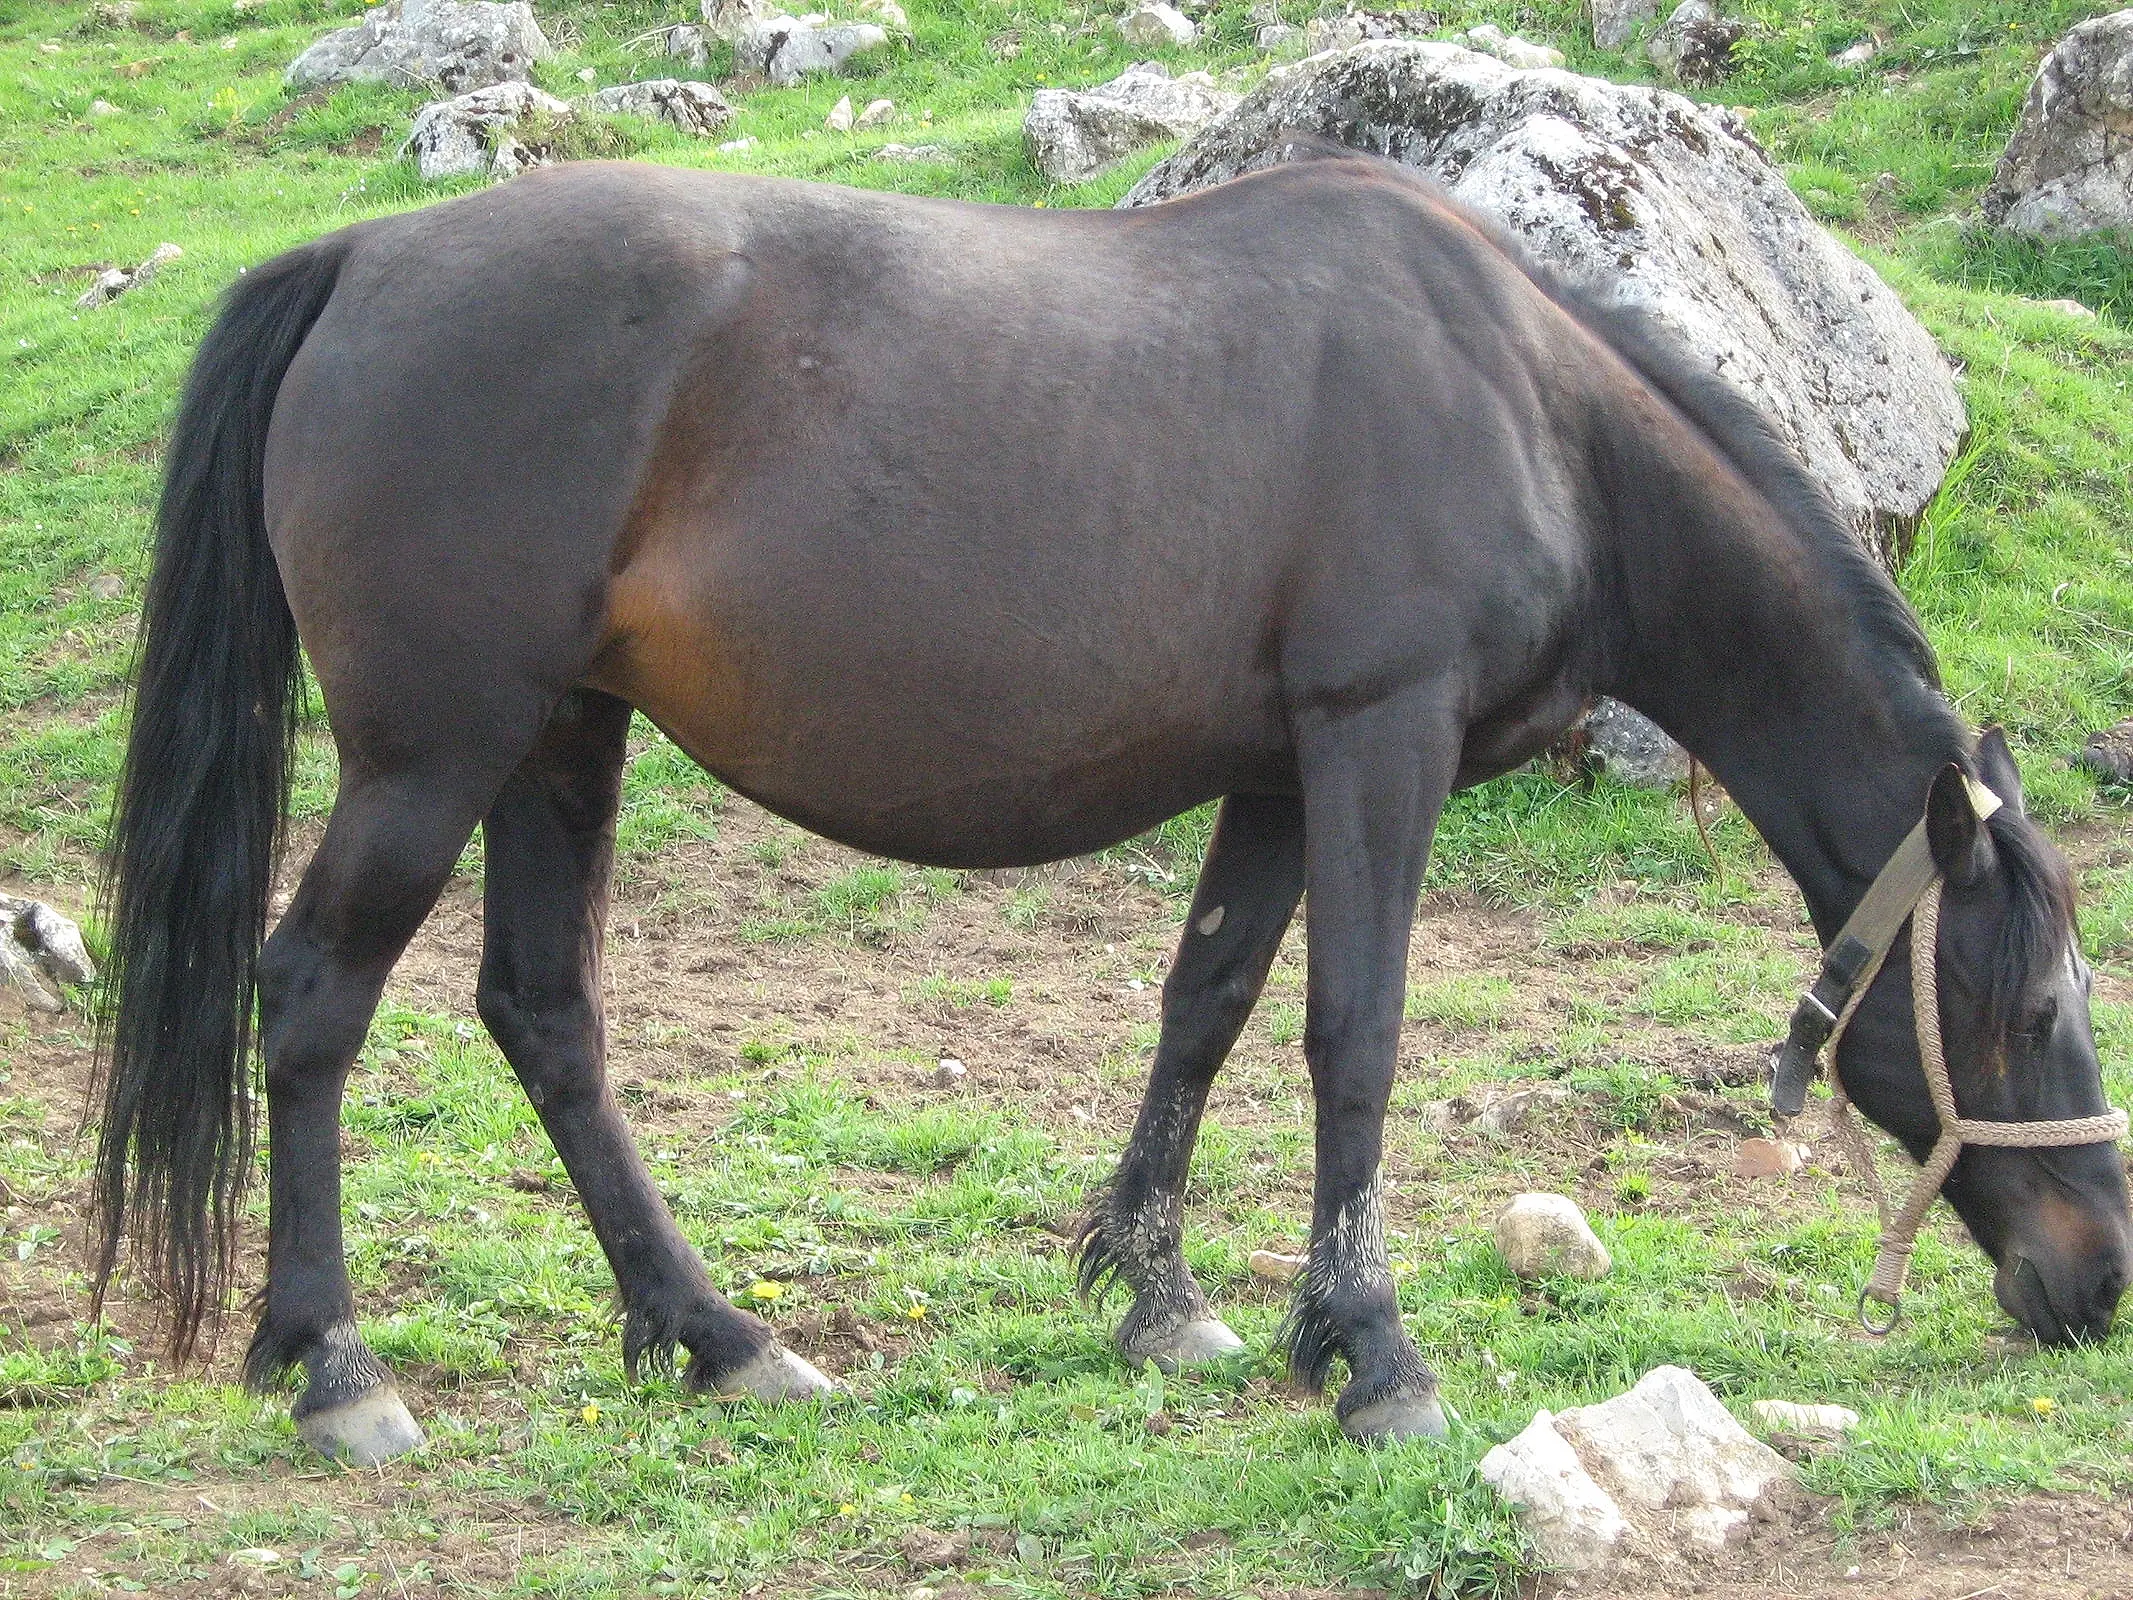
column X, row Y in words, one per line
column 779, row 1003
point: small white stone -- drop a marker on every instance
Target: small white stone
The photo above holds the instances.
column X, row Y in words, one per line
column 840, row 118
column 876, row 113
column 949, row 1073
column 588, row 75
column 104, row 108
column 1571, row 1520
column 1547, row 1236
column 735, row 146
column 1789, row 1416
column 1275, row 1267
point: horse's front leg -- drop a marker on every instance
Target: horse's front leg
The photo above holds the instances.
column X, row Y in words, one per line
column 1242, row 905
column 1375, row 780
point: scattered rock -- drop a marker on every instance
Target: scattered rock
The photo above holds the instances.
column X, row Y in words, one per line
column 1614, row 21
column 1071, row 134
column 840, row 116
column 912, row 152
column 1633, row 193
column 1510, row 49
column 1659, row 1473
column 527, row 1181
column 39, row 951
column 888, row 13
column 474, row 132
column 107, row 586
column 1505, row 1112
column 1356, row 26
column 924, row 1550
column 787, row 49
column 1858, row 53
column 1768, row 1158
column 1631, row 748
column 735, row 146
column 2068, row 170
column 694, row 108
column 877, row 113
column 729, row 19
column 1274, row 1267
column 115, row 281
column 688, row 43
column 458, row 45
column 2109, row 754
column 2068, row 308
column 1157, row 24
column 1695, row 44
column 114, row 14
column 1276, row 36
column 1547, row 1236
column 104, row 108
column 950, row 1073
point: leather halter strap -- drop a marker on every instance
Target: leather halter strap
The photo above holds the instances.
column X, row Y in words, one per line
column 1847, row 973
column 1855, row 956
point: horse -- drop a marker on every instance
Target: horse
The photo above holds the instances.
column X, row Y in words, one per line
column 984, row 536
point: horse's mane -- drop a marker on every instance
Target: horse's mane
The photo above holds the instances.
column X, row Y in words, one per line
column 2040, row 918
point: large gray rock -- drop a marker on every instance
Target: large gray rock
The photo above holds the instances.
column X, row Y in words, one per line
column 478, row 132
column 1148, row 26
column 453, row 44
column 694, row 108
column 2068, row 170
column 729, row 19
column 786, row 49
column 1631, row 748
column 1072, row 134
column 1660, row 1473
column 1615, row 21
column 1641, row 196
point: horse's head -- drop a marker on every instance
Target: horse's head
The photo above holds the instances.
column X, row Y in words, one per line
column 2014, row 1013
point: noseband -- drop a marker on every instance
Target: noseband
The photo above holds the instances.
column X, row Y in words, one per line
column 1908, row 887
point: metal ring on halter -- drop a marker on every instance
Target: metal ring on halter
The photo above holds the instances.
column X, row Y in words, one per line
column 1880, row 1330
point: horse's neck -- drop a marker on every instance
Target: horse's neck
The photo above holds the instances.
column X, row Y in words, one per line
column 1740, row 636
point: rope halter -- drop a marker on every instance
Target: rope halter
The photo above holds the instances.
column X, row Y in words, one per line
column 1908, row 888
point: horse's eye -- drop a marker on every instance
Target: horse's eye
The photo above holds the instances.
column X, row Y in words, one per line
column 2037, row 1026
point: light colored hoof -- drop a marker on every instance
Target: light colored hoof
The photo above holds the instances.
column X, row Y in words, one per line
column 364, row 1432
column 1198, row 1343
column 1397, row 1416
column 776, row 1374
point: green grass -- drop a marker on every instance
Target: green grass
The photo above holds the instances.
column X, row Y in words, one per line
column 996, row 1404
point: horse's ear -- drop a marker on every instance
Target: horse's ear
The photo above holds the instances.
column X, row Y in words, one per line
column 1955, row 833
column 1996, row 766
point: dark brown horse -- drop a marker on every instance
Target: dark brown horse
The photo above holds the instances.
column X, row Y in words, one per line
column 984, row 536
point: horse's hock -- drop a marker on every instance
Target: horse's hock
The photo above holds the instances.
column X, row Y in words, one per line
column 1641, row 196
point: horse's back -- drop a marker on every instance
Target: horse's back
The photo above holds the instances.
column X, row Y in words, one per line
column 1041, row 522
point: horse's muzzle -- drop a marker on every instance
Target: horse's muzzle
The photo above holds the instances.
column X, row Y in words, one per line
column 2062, row 1303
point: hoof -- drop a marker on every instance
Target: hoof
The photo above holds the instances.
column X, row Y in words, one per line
column 1198, row 1343
column 364, row 1432
column 1397, row 1416
column 776, row 1374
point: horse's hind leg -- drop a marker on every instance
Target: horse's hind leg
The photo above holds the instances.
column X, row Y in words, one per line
column 548, row 843
column 388, row 850
column 1246, row 894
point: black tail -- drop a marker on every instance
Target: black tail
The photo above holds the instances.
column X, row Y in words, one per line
column 218, row 690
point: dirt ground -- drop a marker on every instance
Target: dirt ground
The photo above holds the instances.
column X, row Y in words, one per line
column 1084, row 952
